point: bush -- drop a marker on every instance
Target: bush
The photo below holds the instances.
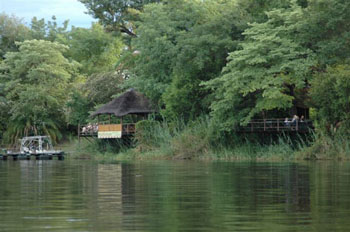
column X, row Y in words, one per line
column 175, row 139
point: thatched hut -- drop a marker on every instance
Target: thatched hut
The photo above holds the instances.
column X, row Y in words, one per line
column 129, row 103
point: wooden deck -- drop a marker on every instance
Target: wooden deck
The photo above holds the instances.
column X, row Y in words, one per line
column 276, row 126
column 123, row 129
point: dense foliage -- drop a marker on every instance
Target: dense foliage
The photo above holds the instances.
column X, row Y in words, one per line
column 36, row 79
column 264, row 74
column 230, row 60
column 116, row 15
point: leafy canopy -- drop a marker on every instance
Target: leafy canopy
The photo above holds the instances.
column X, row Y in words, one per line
column 181, row 44
column 330, row 93
column 36, row 80
column 12, row 29
column 96, row 50
column 116, row 15
column 263, row 75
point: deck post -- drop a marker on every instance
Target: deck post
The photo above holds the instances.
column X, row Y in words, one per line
column 79, row 132
column 264, row 124
column 121, row 123
column 278, row 125
column 297, row 126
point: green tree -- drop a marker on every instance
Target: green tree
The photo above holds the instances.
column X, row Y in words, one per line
column 37, row 82
column 116, row 15
column 38, row 28
column 12, row 29
column 330, row 93
column 257, row 8
column 4, row 109
column 77, row 109
column 41, row 30
column 181, row 44
column 101, row 87
column 264, row 75
column 95, row 49
column 36, row 111
column 327, row 32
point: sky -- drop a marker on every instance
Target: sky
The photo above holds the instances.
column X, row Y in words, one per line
column 62, row 9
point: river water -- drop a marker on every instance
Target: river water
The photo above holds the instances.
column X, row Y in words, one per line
column 75, row 196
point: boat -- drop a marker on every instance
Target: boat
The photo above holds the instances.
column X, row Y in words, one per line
column 38, row 146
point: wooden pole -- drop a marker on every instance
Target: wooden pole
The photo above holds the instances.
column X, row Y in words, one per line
column 121, row 123
column 297, row 126
column 79, row 132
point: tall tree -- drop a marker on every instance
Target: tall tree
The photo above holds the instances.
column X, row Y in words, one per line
column 4, row 109
column 265, row 73
column 257, row 8
column 101, row 87
column 181, row 44
column 115, row 15
column 48, row 31
column 95, row 49
column 12, row 29
column 330, row 93
column 327, row 27
column 36, row 80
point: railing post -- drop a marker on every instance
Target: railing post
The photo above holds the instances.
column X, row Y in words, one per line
column 297, row 125
column 79, row 132
column 264, row 124
column 278, row 125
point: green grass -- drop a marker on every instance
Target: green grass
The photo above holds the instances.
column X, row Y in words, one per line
column 327, row 147
column 196, row 141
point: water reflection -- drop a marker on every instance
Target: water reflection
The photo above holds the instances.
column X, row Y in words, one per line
column 173, row 196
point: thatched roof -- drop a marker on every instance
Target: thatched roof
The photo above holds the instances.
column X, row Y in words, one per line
column 130, row 102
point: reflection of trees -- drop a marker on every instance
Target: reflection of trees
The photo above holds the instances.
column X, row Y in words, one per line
column 166, row 197
column 174, row 196
column 44, row 194
column 330, row 199
column 254, row 193
column 128, row 195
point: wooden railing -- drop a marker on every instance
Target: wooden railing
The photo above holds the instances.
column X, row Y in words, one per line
column 277, row 125
column 129, row 128
column 93, row 129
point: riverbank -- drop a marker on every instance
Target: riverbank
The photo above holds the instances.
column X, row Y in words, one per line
column 281, row 151
column 200, row 140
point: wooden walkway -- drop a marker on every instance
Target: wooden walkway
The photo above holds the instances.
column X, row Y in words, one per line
column 276, row 126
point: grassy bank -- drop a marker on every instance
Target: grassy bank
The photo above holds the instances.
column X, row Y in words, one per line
column 324, row 149
column 200, row 141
